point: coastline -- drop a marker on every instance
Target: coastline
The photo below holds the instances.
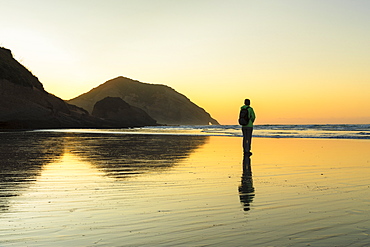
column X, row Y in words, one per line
column 325, row 131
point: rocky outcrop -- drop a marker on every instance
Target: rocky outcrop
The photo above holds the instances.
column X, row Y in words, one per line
column 24, row 104
column 14, row 72
column 121, row 114
column 161, row 102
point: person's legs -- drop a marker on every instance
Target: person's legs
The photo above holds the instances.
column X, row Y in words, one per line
column 247, row 138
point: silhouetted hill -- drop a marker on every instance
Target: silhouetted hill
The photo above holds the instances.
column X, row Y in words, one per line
column 24, row 104
column 121, row 114
column 161, row 102
column 16, row 73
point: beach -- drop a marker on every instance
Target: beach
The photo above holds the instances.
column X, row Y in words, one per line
column 94, row 189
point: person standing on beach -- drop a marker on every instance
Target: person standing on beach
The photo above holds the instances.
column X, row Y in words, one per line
column 246, row 120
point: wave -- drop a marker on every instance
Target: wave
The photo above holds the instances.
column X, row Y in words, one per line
column 327, row 131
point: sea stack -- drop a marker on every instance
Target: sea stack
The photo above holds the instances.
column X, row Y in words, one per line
column 121, row 114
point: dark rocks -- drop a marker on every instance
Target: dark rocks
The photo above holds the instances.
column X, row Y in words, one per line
column 121, row 114
column 161, row 102
column 121, row 102
column 16, row 73
column 24, row 104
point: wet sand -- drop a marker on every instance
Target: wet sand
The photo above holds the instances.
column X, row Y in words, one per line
column 65, row 189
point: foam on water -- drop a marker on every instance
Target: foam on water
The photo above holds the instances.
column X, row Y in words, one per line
column 332, row 131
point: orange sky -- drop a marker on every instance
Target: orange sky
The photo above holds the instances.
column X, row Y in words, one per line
column 298, row 61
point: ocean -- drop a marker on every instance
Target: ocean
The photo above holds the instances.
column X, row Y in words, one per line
column 325, row 131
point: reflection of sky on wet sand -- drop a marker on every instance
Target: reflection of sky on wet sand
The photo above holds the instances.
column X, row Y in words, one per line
column 91, row 189
column 75, row 185
column 26, row 155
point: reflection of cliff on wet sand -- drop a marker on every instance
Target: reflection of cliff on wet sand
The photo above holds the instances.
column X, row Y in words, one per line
column 121, row 156
column 246, row 189
column 22, row 156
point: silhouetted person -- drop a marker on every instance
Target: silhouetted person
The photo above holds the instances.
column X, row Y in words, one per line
column 246, row 120
column 246, row 190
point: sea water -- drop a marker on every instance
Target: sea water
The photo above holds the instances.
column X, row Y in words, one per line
column 336, row 131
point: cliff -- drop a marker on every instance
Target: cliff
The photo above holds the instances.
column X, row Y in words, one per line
column 24, row 104
column 161, row 102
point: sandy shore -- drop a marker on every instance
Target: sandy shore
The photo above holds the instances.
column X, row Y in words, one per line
column 70, row 189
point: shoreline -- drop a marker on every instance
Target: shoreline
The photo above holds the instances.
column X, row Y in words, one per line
column 260, row 131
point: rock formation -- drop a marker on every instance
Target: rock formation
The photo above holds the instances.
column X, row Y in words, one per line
column 24, row 104
column 121, row 114
column 161, row 102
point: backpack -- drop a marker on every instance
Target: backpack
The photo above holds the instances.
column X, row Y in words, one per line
column 244, row 116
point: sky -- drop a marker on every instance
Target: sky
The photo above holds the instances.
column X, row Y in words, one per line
column 298, row 61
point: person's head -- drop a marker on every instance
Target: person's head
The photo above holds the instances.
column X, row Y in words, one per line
column 247, row 102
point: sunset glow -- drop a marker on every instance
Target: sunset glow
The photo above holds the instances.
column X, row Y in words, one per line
column 298, row 61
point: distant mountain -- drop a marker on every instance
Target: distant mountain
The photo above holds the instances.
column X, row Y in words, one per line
column 120, row 113
column 24, row 104
column 161, row 102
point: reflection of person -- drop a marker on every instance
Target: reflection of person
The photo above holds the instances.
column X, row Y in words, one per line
column 246, row 190
column 247, row 113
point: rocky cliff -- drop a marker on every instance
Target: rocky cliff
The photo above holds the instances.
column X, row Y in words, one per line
column 24, row 104
column 161, row 102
